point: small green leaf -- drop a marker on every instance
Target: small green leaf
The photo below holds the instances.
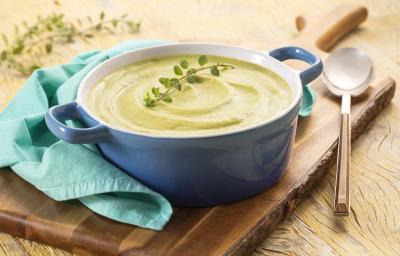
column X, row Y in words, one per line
column 178, row 86
column 178, row 70
column 88, row 35
column 148, row 101
column 33, row 67
column 174, row 80
column 17, row 50
column 184, row 64
column 70, row 39
column 203, row 60
column 130, row 24
column 165, row 81
column 137, row 26
column 21, row 69
column 167, row 98
column 5, row 40
column 16, row 29
column 191, row 79
column 114, row 22
column 3, row 55
column 215, row 71
column 49, row 27
column 155, row 91
column 48, row 48
column 102, row 15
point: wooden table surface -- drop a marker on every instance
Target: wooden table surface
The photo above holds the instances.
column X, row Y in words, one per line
column 374, row 225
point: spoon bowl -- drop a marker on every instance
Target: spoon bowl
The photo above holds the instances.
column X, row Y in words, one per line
column 348, row 71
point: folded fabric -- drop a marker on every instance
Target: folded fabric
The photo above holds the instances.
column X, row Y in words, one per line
column 67, row 171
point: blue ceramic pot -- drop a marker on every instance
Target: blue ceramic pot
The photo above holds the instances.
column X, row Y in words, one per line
column 198, row 170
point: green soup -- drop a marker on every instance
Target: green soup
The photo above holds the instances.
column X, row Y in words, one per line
column 236, row 99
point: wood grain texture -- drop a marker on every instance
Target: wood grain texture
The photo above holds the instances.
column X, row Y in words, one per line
column 373, row 227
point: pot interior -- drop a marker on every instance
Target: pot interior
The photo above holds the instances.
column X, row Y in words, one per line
column 256, row 57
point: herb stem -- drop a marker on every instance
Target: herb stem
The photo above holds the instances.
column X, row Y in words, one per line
column 208, row 67
column 190, row 76
column 55, row 35
column 166, row 93
column 39, row 38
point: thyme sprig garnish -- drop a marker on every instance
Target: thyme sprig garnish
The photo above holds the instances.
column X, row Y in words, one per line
column 153, row 97
column 31, row 42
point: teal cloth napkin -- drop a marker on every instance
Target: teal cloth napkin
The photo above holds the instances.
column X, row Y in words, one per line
column 308, row 101
column 67, row 171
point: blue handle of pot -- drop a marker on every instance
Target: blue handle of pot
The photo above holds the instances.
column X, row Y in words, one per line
column 55, row 117
column 293, row 52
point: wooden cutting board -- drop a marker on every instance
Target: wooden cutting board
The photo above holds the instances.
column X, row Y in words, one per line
column 227, row 229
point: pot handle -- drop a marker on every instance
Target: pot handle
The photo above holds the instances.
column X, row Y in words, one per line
column 294, row 52
column 55, row 117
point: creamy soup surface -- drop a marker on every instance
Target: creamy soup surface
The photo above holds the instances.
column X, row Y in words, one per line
column 238, row 98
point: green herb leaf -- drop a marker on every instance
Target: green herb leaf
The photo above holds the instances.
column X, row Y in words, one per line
column 21, row 68
column 148, row 101
column 165, row 81
column 49, row 27
column 3, row 55
column 184, row 64
column 178, row 86
column 17, row 50
column 16, row 29
column 114, row 22
column 102, row 15
column 167, row 99
column 33, row 67
column 203, row 60
column 48, row 48
column 191, row 79
column 214, row 71
column 5, row 39
column 155, row 91
column 178, row 70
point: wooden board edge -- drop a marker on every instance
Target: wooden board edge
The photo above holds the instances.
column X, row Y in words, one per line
column 283, row 208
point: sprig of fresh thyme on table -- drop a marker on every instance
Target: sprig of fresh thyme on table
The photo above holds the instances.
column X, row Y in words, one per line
column 153, row 97
column 30, row 42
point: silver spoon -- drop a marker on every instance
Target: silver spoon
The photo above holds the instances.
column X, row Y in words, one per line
column 347, row 72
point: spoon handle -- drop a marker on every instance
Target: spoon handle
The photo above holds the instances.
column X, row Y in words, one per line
column 342, row 193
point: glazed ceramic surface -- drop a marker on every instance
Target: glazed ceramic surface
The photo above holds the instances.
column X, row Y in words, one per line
column 196, row 170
